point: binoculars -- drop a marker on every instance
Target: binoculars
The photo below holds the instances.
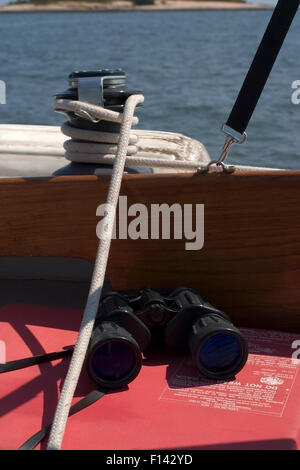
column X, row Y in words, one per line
column 124, row 324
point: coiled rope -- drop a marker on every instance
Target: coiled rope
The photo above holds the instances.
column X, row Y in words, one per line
column 91, row 146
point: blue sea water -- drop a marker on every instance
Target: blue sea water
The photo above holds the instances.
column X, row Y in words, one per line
column 189, row 64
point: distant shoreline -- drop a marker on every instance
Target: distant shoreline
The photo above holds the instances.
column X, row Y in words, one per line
column 168, row 5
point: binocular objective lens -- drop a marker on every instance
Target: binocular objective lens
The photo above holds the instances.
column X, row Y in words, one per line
column 221, row 353
column 114, row 360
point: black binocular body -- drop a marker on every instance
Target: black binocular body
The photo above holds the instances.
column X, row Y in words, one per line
column 124, row 327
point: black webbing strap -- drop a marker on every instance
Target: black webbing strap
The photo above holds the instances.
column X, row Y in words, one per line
column 88, row 400
column 262, row 64
column 34, row 360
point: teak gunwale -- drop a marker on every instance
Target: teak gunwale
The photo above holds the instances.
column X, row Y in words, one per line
column 249, row 265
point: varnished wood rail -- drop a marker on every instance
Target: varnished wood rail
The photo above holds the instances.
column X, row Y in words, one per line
column 249, row 265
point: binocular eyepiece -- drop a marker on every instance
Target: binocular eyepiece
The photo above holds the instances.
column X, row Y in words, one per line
column 123, row 331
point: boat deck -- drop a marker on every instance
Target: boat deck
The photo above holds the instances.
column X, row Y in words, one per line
column 168, row 406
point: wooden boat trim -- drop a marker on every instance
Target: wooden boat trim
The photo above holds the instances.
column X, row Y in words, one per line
column 250, row 263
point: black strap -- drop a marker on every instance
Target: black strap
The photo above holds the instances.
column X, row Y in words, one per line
column 34, row 360
column 88, row 400
column 262, row 64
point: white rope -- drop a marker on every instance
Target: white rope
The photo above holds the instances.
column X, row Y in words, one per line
column 92, row 146
column 65, row 400
column 93, row 135
column 95, row 111
column 135, row 161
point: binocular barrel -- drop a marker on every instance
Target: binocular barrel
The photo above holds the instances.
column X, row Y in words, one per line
column 114, row 357
column 218, row 348
column 123, row 331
